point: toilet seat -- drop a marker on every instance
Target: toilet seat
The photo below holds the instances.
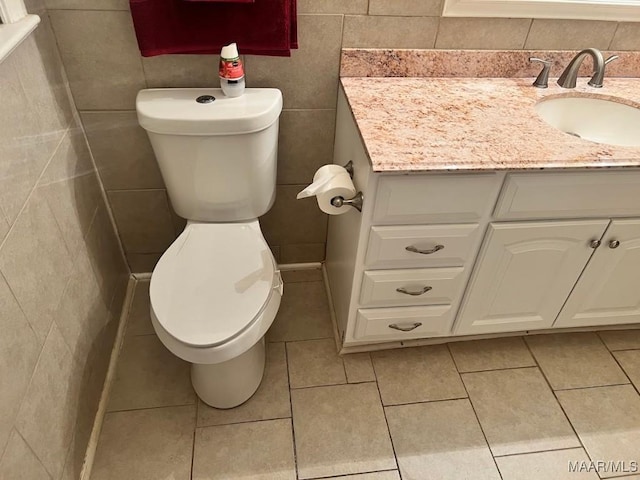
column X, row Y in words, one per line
column 211, row 286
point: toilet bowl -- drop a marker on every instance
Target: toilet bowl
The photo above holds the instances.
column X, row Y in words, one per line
column 213, row 295
column 216, row 290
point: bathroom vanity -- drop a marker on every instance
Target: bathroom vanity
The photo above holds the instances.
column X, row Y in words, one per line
column 480, row 222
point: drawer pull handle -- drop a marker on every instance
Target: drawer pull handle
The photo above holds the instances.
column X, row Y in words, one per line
column 405, row 328
column 414, row 249
column 414, row 293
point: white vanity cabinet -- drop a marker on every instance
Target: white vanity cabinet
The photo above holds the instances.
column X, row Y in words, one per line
column 458, row 254
column 524, row 274
column 608, row 292
column 398, row 269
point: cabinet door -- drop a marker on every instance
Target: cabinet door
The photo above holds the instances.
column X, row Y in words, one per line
column 608, row 292
column 525, row 273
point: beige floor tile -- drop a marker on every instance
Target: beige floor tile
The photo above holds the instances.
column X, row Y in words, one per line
column 388, row 475
column 545, row 466
column 418, row 374
column 246, row 451
column 492, row 354
column 575, row 360
column 139, row 321
column 340, row 430
column 313, row 363
column 269, row 402
column 630, row 362
column 518, row 411
column 303, row 314
column 295, row 276
column 146, row 445
column 440, row 440
column 359, row 367
column 149, row 375
column 621, row 339
column 607, row 420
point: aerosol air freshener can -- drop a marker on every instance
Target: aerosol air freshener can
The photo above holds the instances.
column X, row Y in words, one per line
column 231, row 71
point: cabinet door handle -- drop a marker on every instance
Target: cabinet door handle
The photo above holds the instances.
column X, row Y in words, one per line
column 405, row 328
column 414, row 249
column 614, row 243
column 415, row 293
column 594, row 243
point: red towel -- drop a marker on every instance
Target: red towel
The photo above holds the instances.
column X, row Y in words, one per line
column 266, row 27
column 222, row 1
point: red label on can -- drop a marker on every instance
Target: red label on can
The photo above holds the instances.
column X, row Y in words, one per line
column 231, row 69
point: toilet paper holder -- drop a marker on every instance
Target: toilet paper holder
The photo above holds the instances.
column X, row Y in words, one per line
column 349, row 168
column 355, row 202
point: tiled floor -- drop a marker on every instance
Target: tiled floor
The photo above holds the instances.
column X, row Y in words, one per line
column 510, row 409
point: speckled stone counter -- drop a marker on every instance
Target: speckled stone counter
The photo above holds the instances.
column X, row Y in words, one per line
column 440, row 124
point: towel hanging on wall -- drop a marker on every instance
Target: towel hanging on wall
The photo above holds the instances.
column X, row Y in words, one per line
column 264, row 27
column 222, row 1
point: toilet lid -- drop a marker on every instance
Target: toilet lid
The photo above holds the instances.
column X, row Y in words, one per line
column 212, row 282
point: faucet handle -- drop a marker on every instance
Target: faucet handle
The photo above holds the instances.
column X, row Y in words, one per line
column 611, row 59
column 608, row 61
column 542, row 80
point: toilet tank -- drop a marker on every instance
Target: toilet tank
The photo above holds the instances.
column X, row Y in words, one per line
column 217, row 155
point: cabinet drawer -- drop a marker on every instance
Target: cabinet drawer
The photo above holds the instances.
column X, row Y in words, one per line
column 386, row 324
column 569, row 195
column 432, row 245
column 435, row 198
column 425, row 286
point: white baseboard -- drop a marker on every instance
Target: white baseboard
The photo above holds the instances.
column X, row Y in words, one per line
column 90, row 454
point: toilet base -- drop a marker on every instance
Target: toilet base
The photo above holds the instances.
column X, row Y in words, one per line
column 231, row 383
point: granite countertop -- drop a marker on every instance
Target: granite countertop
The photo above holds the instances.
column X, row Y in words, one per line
column 440, row 124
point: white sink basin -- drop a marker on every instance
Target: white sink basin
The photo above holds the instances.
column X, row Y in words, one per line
column 597, row 120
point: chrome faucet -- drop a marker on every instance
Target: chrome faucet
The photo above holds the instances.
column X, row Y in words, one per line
column 570, row 74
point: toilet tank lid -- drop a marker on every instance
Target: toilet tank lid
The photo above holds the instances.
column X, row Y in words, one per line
column 176, row 111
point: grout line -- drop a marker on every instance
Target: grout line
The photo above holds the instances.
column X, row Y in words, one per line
column 386, row 421
column 193, row 444
column 199, row 427
column 611, row 350
column 36, row 184
column 475, row 414
column 422, row 401
column 593, row 386
column 151, row 408
column 438, row 24
column 615, row 359
column 498, row 369
column 566, row 416
column 526, row 37
column 291, row 389
column 21, row 403
column 538, row 451
column 324, row 385
column 19, row 433
column 293, row 430
column 615, row 32
column 344, row 368
column 354, row 475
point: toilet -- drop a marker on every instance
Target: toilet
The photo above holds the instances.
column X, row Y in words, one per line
column 216, row 290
